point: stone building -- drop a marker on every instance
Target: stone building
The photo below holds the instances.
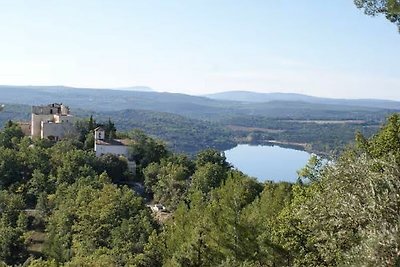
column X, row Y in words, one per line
column 117, row 147
column 52, row 121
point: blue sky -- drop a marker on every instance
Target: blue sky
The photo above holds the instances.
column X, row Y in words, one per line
column 322, row 48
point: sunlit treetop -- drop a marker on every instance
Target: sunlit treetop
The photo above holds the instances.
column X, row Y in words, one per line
column 390, row 8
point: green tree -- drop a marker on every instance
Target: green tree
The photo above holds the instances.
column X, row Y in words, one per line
column 116, row 167
column 172, row 183
column 42, row 263
column 207, row 232
column 11, row 205
column 211, row 156
column 385, row 144
column 10, row 168
column 389, row 8
column 208, row 177
column 312, row 171
column 10, row 135
column 99, row 220
column 91, row 124
column 185, row 239
column 33, row 157
column 348, row 218
column 110, row 130
column 261, row 216
column 232, row 236
column 85, row 128
column 40, row 184
column 75, row 164
column 155, row 172
column 12, row 248
column 88, row 144
column 153, row 254
column 145, row 150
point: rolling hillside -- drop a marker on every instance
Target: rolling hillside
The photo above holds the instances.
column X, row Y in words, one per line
column 268, row 105
column 191, row 123
column 254, row 97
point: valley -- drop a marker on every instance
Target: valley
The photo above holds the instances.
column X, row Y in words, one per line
column 191, row 123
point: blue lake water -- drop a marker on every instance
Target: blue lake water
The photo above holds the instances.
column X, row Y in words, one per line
column 268, row 162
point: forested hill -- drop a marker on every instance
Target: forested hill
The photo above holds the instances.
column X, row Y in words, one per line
column 254, row 97
column 60, row 205
column 191, row 123
column 274, row 105
column 182, row 134
column 110, row 100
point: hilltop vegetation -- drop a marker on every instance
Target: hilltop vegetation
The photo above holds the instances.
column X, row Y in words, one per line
column 61, row 206
column 198, row 107
column 247, row 96
column 181, row 134
column 190, row 123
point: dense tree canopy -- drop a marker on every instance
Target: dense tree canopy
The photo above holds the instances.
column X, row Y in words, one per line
column 62, row 206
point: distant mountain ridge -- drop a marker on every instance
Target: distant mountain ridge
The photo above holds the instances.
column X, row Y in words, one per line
column 212, row 107
column 255, row 97
column 190, row 123
column 111, row 99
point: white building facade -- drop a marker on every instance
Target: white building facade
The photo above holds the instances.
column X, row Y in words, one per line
column 51, row 121
column 115, row 147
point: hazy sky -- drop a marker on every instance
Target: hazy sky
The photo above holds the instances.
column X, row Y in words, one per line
column 323, row 48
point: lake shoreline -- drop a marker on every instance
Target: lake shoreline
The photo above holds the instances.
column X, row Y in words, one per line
column 291, row 145
column 269, row 162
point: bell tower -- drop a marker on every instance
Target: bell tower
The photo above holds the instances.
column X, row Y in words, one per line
column 99, row 133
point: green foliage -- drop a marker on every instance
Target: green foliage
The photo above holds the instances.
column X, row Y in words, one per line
column 389, row 8
column 12, row 249
column 212, row 156
column 181, row 134
column 207, row 233
column 320, row 135
column 10, row 168
column 97, row 221
column 145, row 150
column 208, row 177
column 262, row 216
column 42, row 263
column 115, row 167
column 291, row 122
column 312, row 171
column 168, row 180
column 13, row 223
column 346, row 214
column 89, row 141
column 40, row 183
column 75, row 164
column 11, row 205
column 385, row 143
column 85, row 128
column 339, row 220
column 10, row 135
column 33, row 157
column 186, row 237
column 232, row 236
column 110, row 130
